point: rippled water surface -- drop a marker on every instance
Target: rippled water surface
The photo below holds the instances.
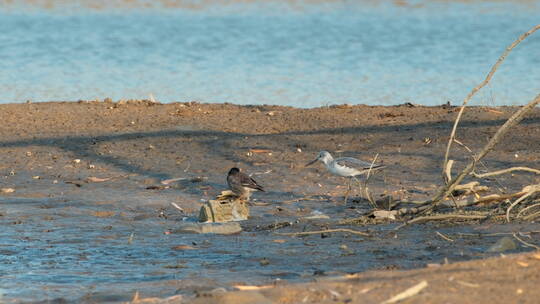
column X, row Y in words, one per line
column 308, row 55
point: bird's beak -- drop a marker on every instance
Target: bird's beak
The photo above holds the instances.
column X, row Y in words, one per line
column 311, row 162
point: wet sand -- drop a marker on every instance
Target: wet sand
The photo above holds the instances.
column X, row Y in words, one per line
column 89, row 219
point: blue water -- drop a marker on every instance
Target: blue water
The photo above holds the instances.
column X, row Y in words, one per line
column 314, row 55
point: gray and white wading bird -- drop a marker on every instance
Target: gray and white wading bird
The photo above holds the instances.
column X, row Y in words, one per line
column 241, row 184
column 346, row 167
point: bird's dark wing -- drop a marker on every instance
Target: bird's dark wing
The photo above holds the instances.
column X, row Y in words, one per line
column 249, row 182
column 235, row 184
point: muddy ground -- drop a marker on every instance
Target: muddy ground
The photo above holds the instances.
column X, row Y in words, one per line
column 90, row 221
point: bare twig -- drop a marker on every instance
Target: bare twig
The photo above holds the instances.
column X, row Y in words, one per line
column 493, row 234
column 371, row 167
column 443, row 236
column 525, row 243
column 499, row 172
column 325, row 231
column 532, row 216
column 532, row 190
column 480, row 162
column 177, row 207
column 407, row 293
column 300, row 199
column 527, row 209
column 481, row 85
column 172, row 180
column 366, row 189
column 441, row 217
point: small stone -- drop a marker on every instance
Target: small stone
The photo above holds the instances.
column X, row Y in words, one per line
column 7, row 190
column 346, row 250
column 77, row 161
column 504, row 244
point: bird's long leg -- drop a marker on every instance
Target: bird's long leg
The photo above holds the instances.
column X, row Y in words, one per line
column 348, row 190
column 359, row 183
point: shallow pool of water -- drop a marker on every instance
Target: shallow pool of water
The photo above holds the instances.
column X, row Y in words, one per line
column 79, row 248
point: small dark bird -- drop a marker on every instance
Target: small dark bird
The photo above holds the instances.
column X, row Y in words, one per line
column 241, row 184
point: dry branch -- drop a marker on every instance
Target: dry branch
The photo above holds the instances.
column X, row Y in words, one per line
column 446, row 190
column 481, row 85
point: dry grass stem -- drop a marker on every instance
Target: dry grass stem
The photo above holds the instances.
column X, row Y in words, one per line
column 178, row 207
column 366, row 189
column 442, row 217
column 299, row 199
column 443, row 236
column 324, row 231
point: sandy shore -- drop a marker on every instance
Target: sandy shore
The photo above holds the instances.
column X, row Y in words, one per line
column 98, row 166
